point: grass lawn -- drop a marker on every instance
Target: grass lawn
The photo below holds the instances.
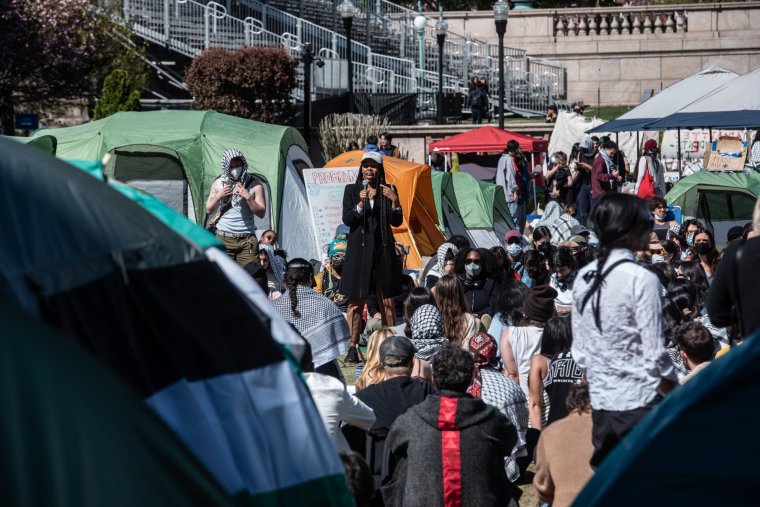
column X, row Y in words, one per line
column 607, row 112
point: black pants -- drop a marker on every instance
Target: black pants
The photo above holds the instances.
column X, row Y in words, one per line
column 609, row 428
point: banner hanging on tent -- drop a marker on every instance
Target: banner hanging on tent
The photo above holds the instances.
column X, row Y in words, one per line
column 324, row 190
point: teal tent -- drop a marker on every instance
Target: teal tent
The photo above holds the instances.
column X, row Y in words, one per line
column 72, row 433
column 175, row 156
column 720, row 199
column 171, row 320
column 697, row 447
column 472, row 208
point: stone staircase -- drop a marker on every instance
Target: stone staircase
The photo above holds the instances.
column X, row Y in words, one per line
column 386, row 57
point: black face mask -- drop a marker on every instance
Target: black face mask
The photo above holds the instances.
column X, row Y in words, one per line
column 337, row 264
column 702, row 248
column 545, row 249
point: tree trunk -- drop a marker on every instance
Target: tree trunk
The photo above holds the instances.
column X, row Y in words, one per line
column 6, row 114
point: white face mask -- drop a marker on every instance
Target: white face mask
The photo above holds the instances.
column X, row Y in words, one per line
column 658, row 259
column 472, row 269
column 236, row 173
column 514, row 249
column 659, row 216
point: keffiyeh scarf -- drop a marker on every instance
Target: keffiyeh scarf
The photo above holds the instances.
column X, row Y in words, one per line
column 226, row 178
column 441, row 259
column 427, row 331
column 275, row 261
column 607, row 160
column 483, row 348
column 322, row 324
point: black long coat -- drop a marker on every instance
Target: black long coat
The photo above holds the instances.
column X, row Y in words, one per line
column 365, row 250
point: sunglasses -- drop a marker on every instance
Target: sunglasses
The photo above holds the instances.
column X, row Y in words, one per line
column 471, row 261
column 370, row 164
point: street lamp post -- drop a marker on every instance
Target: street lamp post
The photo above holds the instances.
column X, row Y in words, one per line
column 347, row 12
column 441, row 28
column 500, row 16
column 420, row 22
column 307, row 57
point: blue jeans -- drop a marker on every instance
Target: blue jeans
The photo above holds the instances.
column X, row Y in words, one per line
column 583, row 202
column 519, row 214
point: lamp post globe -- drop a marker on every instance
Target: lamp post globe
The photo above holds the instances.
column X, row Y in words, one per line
column 441, row 29
column 347, row 11
column 500, row 16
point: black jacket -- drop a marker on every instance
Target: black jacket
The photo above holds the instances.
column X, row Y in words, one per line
column 483, row 438
column 365, row 251
column 734, row 282
column 479, row 295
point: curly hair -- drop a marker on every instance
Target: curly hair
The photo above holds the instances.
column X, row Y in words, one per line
column 449, row 296
column 487, row 262
column 452, row 368
column 578, row 399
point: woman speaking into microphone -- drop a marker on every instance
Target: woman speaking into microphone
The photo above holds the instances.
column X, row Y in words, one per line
column 370, row 208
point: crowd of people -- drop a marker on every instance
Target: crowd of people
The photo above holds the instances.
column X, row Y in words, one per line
column 547, row 349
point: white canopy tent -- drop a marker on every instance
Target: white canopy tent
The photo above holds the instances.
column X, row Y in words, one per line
column 670, row 100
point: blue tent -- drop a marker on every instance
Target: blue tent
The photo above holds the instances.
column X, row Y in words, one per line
column 698, row 447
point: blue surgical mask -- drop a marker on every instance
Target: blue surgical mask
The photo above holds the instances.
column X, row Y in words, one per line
column 690, row 239
column 658, row 259
column 514, row 249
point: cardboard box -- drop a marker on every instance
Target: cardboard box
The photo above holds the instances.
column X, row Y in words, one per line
column 717, row 159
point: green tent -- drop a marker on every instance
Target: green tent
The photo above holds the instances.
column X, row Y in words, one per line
column 720, row 199
column 472, row 208
column 175, row 156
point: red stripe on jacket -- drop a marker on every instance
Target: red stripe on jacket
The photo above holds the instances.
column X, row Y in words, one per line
column 450, row 453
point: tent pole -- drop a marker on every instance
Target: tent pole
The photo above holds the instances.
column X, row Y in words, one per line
column 680, row 171
column 532, row 170
column 637, row 147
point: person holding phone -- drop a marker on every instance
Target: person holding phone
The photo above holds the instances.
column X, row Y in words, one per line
column 235, row 200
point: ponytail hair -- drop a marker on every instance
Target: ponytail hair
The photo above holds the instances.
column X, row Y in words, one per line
column 298, row 272
column 617, row 219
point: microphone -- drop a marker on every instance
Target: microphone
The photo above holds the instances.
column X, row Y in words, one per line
column 365, row 184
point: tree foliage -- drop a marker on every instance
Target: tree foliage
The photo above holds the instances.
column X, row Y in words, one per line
column 53, row 51
column 120, row 93
column 252, row 82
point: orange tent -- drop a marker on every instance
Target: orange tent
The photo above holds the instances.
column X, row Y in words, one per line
column 419, row 230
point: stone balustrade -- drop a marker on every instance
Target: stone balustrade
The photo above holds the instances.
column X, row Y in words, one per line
column 619, row 22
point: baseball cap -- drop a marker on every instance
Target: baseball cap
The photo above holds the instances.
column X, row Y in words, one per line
column 396, row 351
column 735, row 232
column 373, row 155
column 512, row 234
column 581, row 240
column 579, row 230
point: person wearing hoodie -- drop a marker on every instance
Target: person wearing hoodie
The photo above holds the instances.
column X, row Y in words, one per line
column 445, row 265
column 450, row 448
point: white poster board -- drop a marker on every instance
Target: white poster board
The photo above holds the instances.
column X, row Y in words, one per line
column 324, row 190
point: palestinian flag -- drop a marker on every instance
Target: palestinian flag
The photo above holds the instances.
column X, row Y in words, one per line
column 163, row 315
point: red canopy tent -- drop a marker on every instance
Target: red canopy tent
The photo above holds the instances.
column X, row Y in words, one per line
column 487, row 139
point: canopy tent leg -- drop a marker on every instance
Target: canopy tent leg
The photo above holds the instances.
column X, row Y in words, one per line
column 532, row 169
column 680, row 169
column 638, row 154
